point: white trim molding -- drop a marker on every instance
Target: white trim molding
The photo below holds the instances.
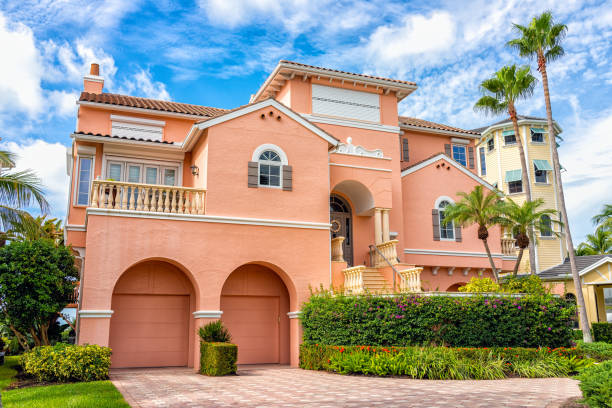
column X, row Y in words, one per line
column 98, row 314
column 451, row 253
column 133, row 119
column 453, row 163
column 71, row 227
column 442, row 198
column 269, row 146
column 207, row 314
column 351, row 123
column 294, row 315
column 595, row 265
column 350, row 149
column 94, row 78
column 209, row 218
column 360, row 167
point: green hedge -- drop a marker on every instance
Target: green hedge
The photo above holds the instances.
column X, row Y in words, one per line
column 599, row 351
column 64, row 362
column 443, row 362
column 596, row 385
column 602, row 332
column 469, row 321
column 218, row 358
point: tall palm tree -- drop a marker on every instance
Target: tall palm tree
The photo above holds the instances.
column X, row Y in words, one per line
column 604, row 218
column 18, row 189
column 29, row 228
column 500, row 94
column 598, row 243
column 477, row 208
column 525, row 221
column 542, row 39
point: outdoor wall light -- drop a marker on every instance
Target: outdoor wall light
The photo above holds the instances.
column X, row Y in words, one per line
column 195, row 170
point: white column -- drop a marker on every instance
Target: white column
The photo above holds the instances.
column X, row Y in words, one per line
column 385, row 225
column 377, row 226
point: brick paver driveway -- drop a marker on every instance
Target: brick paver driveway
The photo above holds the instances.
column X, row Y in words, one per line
column 277, row 386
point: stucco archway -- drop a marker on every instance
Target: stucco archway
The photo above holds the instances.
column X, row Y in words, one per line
column 153, row 302
column 255, row 302
column 359, row 195
column 455, row 287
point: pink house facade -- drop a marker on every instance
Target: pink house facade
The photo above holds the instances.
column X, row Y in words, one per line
column 184, row 214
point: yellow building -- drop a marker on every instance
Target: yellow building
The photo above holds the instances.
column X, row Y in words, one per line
column 596, row 280
column 499, row 164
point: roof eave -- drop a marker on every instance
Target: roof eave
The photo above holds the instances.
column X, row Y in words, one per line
column 439, row 131
column 153, row 112
column 520, row 122
column 120, row 141
column 402, row 90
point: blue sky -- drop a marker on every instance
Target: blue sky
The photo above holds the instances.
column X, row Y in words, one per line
column 218, row 52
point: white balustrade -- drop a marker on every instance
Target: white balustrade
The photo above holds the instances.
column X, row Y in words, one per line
column 353, row 279
column 508, row 247
column 120, row 195
column 337, row 252
column 411, row 279
column 388, row 250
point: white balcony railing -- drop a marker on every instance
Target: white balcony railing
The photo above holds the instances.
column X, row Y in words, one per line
column 388, row 250
column 508, row 246
column 120, row 195
column 353, row 279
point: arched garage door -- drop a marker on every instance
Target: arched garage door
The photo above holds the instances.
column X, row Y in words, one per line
column 150, row 325
column 255, row 302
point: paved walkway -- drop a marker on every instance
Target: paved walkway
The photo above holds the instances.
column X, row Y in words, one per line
column 277, row 386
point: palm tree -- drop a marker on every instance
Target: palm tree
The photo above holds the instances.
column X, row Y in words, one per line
column 604, row 218
column 18, row 189
column 525, row 221
column 500, row 94
column 598, row 243
column 28, row 228
column 476, row 208
column 542, row 39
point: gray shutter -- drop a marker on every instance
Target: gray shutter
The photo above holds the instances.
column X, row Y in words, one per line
column 287, row 178
column 253, row 174
column 457, row 233
column 405, row 150
column 435, row 219
column 447, row 150
column 471, row 157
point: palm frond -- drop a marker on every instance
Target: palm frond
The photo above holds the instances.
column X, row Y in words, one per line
column 7, row 159
column 22, row 189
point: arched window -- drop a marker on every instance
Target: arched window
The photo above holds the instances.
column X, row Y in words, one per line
column 545, row 226
column 269, row 169
column 447, row 231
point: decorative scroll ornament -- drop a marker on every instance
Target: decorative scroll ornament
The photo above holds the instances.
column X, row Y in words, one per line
column 335, row 226
column 349, row 148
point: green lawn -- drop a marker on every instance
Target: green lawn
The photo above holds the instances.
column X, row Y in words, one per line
column 102, row 394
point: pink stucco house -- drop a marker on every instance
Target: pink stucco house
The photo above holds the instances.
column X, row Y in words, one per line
column 183, row 214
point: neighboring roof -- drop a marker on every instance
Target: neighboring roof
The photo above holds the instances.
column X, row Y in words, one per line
column 432, row 159
column 582, row 262
column 420, row 124
column 508, row 121
column 152, row 104
column 287, row 69
column 124, row 138
column 251, row 107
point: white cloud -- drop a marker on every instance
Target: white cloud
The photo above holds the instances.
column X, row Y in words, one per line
column 63, row 102
column 48, row 160
column 20, row 70
column 142, row 84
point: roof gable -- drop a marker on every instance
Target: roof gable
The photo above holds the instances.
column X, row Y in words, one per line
column 441, row 156
column 584, row 264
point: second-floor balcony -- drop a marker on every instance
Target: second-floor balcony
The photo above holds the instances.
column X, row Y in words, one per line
column 148, row 198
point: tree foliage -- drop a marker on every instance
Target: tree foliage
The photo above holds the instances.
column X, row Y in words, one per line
column 37, row 281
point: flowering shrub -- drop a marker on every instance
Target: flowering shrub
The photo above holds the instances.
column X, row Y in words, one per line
column 64, row 362
column 471, row 321
column 443, row 362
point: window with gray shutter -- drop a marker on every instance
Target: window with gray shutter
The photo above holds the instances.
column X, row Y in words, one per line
column 447, row 150
column 435, row 218
column 253, row 174
column 471, row 157
column 405, row 150
column 287, row 178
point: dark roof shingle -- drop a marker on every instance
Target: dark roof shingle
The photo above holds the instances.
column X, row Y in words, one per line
column 408, row 121
column 152, row 104
column 582, row 262
column 507, row 120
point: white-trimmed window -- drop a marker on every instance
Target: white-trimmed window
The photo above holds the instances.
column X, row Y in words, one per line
column 447, row 231
column 459, row 154
column 85, row 175
column 545, row 226
column 537, row 135
column 146, row 172
column 483, row 161
column 509, row 137
column 269, row 169
column 490, row 144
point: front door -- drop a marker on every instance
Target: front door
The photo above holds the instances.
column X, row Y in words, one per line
column 341, row 225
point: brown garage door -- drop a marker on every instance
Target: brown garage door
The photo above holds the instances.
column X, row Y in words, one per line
column 149, row 330
column 253, row 322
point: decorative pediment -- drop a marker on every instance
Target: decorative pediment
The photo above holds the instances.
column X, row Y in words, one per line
column 350, row 148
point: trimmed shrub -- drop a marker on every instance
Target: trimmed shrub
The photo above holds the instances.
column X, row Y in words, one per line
column 599, row 351
column 442, row 362
column 215, row 332
column 64, row 362
column 480, row 285
column 218, row 359
column 596, row 385
column 408, row 320
column 578, row 336
column 602, row 332
column 524, row 284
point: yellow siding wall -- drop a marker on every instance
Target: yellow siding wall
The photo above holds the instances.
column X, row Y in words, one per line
column 504, row 158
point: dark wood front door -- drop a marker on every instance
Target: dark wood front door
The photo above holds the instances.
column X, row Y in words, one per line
column 342, row 225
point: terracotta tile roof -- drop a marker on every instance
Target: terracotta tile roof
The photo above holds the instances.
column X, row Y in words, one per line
column 298, row 64
column 152, row 104
column 124, row 138
column 407, row 121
